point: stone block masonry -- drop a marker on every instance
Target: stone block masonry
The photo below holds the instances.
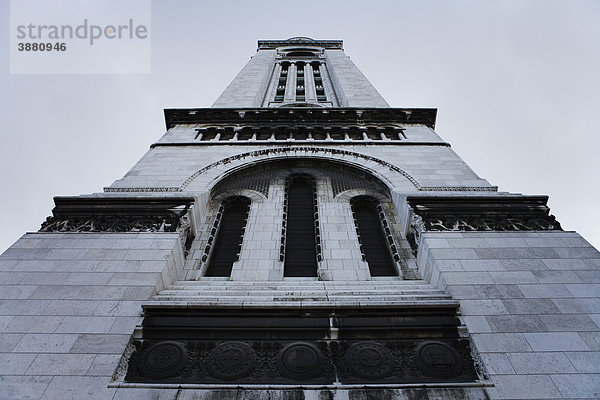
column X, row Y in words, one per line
column 530, row 301
column 66, row 318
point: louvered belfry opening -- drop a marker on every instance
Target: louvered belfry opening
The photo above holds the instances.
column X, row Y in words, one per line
column 300, row 240
column 231, row 226
column 373, row 242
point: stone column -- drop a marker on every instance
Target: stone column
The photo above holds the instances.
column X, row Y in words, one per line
column 259, row 256
column 329, row 92
column 290, row 86
column 309, row 84
column 270, row 94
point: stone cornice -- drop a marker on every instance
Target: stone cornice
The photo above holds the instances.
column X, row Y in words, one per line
column 424, row 116
column 120, row 214
column 327, row 44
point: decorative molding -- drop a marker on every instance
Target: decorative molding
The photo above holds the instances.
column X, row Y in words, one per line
column 255, row 179
column 307, row 362
column 370, row 346
column 312, row 150
column 121, row 214
column 298, row 115
column 479, row 213
column 114, row 223
column 122, row 367
column 308, row 152
column 143, row 189
column 352, row 131
column 300, row 41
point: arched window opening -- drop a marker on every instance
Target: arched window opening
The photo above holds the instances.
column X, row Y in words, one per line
column 301, row 234
column 228, row 231
column 375, row 248
column 301, row 54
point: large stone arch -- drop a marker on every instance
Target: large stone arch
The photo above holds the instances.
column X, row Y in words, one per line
column 392, row 176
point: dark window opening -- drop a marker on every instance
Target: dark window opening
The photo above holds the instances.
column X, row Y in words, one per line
column 373, row 133
column 301, row 134
column 321, row 96
column 300, row 96
column 245, row 134
column 281, row 134
column 226, row 134
column 228, row 243
column 319, row 134
column 300, row 234
column 300, row 54
column 373, row 243
column 281, row 84
column 210, row 134
column 337, row 134
column 265, row 133
column 355, row 134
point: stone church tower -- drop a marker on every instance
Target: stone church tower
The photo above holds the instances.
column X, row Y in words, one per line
column 301, row 239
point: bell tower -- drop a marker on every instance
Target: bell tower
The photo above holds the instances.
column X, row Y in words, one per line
column 301, row 239
column 300, row 72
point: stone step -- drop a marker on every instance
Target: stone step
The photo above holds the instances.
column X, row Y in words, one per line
column 248, row 303
column 279, row 291
column 354, row 300
column 301, row 293
column 300, row 282
column 366, row 286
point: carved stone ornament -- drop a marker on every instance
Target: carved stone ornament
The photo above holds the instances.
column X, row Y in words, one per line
column 438, row 359
column 75, row 214
column 163, row 360
column 369, row 360
column 231, row 360
column 300, row 361
column 479, row 213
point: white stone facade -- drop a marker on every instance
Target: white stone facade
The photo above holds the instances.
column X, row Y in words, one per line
column 70, row 301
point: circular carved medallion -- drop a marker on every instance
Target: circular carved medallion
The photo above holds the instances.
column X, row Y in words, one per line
column 231, row 360
column 300, row 361
column 163, row 360
column 369, row 360
column 438, row 359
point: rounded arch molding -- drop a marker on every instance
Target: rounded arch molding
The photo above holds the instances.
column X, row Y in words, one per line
column 370, row 164
column 357, row 160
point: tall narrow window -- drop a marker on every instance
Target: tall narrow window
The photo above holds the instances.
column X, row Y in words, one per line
column 319, row 88
column 281, row 83
column 373, row 243
column 300, row 89
column 301, row 237
column 230, row 226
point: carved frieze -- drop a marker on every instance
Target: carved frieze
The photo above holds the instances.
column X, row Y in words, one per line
column 114, row 214
column 301, row 116
column 113, row 223
column 392, row 345
column 118, row 214
column 479, row 213
column 301, row 362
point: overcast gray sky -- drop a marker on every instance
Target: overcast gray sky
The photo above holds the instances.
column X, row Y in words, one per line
column 516, row 84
